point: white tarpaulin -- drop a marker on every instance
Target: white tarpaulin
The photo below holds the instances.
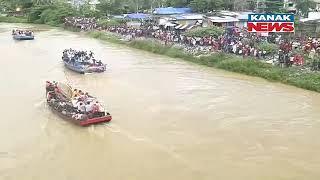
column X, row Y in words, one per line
column 224, row 19
column 179, row 26
column 169, row 24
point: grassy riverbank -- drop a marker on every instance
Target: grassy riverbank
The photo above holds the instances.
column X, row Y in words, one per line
column 12, row 19
column 290, row 76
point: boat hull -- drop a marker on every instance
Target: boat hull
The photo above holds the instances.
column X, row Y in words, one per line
column 17, row 37
column 85, row 69
column 78, row 69
column 82, row 123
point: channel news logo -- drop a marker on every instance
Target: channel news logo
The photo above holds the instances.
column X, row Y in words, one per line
column 270, row 23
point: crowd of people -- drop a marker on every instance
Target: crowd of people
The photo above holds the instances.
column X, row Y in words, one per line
column 82, row 23
column 22, row 32
column 80, row 57
column 80, row 106
column 290, row 51
column 234, row 40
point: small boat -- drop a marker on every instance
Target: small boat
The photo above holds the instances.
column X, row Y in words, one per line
column 64, row 108
column 22, row 34
column 82, row 62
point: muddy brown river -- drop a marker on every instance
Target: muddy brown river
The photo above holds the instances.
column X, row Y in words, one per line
column 171, row 119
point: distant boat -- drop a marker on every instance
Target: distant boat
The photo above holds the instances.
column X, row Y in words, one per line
column 23, row 37
column 22, row 34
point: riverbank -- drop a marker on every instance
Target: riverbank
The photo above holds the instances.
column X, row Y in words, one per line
column 291, row 76
column 12, row 19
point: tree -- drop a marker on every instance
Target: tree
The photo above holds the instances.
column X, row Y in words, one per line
column 218, row 4
column 209, row 5
column 273, row 6
column 199, row 5
column 178, row 3
column 303, row 6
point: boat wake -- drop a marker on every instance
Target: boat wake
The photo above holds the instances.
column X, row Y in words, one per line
column 39, row 104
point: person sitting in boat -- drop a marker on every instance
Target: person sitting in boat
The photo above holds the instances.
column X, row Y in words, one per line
column 89, row 107
column 95, row 108
column 49, row 86
column 75, row 93
column 99, row 63
column 101, row 108
column 72, row 60
column 82, row 108
column 83, row 97
column 79, row 116
column 51, row 95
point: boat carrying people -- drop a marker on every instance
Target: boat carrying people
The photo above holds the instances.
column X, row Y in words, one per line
column 18, row 34
column 75, row 105
column 82, row 61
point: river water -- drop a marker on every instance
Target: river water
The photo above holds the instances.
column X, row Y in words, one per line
column 171, row 119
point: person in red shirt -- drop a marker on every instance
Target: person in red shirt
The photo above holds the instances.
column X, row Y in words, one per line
column 298, row 60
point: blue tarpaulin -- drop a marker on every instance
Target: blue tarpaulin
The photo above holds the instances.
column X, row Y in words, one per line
column 137, row 16
column 171, row 10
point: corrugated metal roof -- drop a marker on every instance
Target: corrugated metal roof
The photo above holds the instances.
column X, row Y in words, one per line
column 188, row 16
column 229, row 13
column 223, row 19
column 137, row 16
column 244, row 15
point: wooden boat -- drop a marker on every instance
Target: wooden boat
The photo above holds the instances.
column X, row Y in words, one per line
column 63, row 112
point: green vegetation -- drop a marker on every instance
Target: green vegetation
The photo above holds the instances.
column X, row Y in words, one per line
column 13, row 19
column 304, row 6
column 43, row 12
column 51, row 14
column 110, row 37
column 252, row 67
column 209, row 31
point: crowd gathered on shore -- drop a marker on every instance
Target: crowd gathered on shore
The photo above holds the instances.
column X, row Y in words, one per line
column 82, row 23
column 289, row 51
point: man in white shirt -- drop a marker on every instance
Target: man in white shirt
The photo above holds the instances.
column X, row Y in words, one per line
column 101, row 108
column 89, row 107
column 82, row 108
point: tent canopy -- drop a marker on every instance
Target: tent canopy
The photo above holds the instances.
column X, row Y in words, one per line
column 137, row 16
column 224, row 19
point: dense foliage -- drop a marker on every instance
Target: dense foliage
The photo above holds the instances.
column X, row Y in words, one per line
column 209, row 31
column 51, row 14
column 304, row 6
